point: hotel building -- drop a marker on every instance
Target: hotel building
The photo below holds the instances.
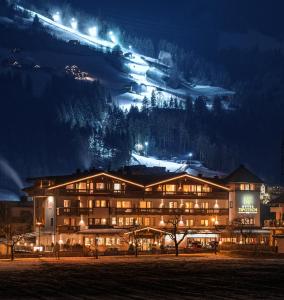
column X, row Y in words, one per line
column 106, row 207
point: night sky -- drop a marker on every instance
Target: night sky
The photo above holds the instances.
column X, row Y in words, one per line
column 191, row 23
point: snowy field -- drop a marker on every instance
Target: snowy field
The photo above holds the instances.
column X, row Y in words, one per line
column 194, row 169
column 198, row 276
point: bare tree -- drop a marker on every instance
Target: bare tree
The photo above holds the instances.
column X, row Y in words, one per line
column 175, row 232
column 9, row 231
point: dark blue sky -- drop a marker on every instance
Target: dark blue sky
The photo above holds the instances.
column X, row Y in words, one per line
column 190, row 23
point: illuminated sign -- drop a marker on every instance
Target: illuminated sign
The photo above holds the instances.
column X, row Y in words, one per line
column 247, row 206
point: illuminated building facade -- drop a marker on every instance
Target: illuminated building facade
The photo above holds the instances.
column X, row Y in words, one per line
column 107, row 206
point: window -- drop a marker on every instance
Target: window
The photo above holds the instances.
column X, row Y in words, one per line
column 146, row 221
column 113, row 221
column 247, row 187
column 188, row 204
column 100, row 186
column 170, row 188
column 67, row 203
column 51, row 222
column 101, row 203
column 128, row 221
column 66, row 221
column 110, row 241
column 204, row 205
column 97, row 221
column 173, row 204
column 231, row 204
column 82, row 186
column 90, row 203
column 120, row 221
column 117, row 186
column 248, row 221
column 189, row 223
column 103, row 221
column 145, row 204
column 123, row 204
column 206, row 189
column 204, row 222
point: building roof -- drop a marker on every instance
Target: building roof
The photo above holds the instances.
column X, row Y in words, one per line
column 242, row 174
column 277, row 200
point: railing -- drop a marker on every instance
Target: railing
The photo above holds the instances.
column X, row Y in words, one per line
column 154, row 194
column 77, row 211
column 169, row 211
column 68, row 229
column 273, row 223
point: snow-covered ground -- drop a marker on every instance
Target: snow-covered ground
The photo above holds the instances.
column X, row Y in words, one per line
column 195, row 168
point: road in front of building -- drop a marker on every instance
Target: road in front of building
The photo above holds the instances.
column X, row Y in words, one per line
column 193, row 276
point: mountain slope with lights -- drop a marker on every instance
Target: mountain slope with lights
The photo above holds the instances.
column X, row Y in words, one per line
column 137, row 76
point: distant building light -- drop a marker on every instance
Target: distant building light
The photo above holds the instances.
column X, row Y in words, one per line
column 74, row 24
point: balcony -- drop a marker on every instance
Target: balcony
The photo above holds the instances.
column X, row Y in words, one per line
column 273, row 223
column 68, row 229
column 149, row 194
column 169, row 211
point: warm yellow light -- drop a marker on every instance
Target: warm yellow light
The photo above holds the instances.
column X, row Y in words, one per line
column 191, row 177
column 93, row 176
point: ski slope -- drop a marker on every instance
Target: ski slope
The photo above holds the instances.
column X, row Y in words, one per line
column 138, row 66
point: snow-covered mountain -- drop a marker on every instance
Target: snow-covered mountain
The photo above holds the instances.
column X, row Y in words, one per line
column 129, row 75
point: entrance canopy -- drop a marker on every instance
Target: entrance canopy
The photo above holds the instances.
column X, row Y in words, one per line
column 146, row 230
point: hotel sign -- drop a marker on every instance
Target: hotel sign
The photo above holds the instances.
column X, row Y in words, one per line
column 247, row 205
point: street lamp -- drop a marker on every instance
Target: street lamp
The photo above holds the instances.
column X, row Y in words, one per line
column 39, row 224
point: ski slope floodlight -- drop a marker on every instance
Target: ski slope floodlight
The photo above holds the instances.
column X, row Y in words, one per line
column 93, row 31
column 74, row 24
column 130, row 47
column 56, row 17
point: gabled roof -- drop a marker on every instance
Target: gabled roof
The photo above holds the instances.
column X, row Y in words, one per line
column 242, row 174
column 186, row 175
column 93, row 176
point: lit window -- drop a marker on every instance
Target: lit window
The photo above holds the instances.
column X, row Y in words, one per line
column 204, row 205
column 97, row 221
column 247, row 187
column 103, row 221
column 101, row 203
column 206, row 189
column 189, row 223
column 117, row 186
column 145, row 204
column 170, row 188
column 128, row 221
column 120, row 221
column 70, row 187
column 67, row 203
column 100, row 186
column 173, row 204
column 90, row 203
column 204, row 222
column 113, row 220
column 147, row 221
column 123, row 204
column 66, row 221
column 188, row 204
column 82, row 186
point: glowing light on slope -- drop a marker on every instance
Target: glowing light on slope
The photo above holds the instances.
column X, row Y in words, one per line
column 74, row 24
column 87, row 39
column 93, row 31
column 57, row 17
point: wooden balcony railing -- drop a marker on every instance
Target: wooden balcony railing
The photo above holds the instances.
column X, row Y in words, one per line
column 273, row 223
column 169, row 211
column 142, row 193
column 67, row 228
column 77, row 211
